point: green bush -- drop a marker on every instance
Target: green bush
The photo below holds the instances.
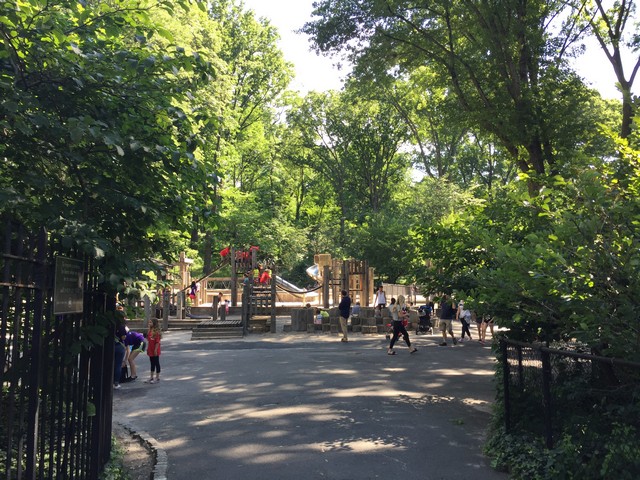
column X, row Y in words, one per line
column 114, row 469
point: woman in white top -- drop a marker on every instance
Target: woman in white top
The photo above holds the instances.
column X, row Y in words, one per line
column 399, row 312
column 380, row 301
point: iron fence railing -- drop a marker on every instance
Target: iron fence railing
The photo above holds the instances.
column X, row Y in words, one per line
column 56, row 384
column 552, row 391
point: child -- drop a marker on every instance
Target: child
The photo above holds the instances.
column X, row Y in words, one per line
column 153, row 349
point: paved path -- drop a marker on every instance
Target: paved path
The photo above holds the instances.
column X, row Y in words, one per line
column 304, row 407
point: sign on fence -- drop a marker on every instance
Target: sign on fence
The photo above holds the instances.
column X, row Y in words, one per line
column 68, row 286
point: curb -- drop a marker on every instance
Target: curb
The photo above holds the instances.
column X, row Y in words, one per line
column 160, row 456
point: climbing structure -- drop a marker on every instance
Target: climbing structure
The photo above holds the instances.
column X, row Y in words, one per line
column 258, row 298
column 355, row 276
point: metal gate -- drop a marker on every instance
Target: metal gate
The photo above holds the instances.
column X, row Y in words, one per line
column 56, row 369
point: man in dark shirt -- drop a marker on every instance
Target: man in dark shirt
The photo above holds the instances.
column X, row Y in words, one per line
column 345, row 310
column 447, row 314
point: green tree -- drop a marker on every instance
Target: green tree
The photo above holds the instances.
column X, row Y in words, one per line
column 243, row 96
column 354, row 144
column 610, row 26
column 95, row 144
column 438, row 127
column 497, row 58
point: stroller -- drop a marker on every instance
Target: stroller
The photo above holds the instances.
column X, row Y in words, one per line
column 405, row 322
column 424, row 320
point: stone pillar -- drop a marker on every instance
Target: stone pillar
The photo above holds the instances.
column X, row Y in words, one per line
column 166, row 296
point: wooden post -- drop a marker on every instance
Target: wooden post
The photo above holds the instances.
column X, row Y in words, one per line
column 180, row 304
column 345, row 275
column 372, row 287
column 326, row 281
column 246, row 291
column 273, row 301
column 234, row 278
column 365, row 284
column 214, row 307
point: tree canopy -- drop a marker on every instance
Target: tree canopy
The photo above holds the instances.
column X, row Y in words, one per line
column 137, row 130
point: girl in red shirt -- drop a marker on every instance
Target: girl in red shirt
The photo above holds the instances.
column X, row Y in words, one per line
column 153, row 349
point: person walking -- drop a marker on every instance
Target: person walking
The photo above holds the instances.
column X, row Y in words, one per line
column 153, row 349
column 464, row 316
column 345, row 311
column 399, row 312
column 447, row 313
column 487, row 321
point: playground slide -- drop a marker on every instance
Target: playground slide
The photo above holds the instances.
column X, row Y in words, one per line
column 314, row 272
column 288, row 285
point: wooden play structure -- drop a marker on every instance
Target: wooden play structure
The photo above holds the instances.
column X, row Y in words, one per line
column 258, row 299
column 355, row 276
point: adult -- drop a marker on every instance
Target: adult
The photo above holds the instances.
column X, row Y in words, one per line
column 380, row 300
column 220, row 301
column 447, row 314
column 464, row 315
column 479, row 324
column 487, row 321
column 345, row 311
column 134, row 344
column 399, row 312
column 120, row 350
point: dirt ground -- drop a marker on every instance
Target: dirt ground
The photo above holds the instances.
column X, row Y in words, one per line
column 138, row 460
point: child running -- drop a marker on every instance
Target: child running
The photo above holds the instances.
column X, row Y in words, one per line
column 153, row 349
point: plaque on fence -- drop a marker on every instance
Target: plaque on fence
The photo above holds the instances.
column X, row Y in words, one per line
column 68, row 286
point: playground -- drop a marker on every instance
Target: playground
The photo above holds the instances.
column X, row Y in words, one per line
column 254, row 296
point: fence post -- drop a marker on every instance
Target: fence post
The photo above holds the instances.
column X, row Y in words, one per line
column 505, row 385
column 35, row 373
column 546, row 397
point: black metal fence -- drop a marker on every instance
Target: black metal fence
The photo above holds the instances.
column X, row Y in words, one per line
column 56, row 369
column 550, row 392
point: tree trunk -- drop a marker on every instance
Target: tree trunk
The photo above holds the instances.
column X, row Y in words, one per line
column 207, row 253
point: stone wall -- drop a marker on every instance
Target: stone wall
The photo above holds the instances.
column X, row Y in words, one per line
column 368, row 322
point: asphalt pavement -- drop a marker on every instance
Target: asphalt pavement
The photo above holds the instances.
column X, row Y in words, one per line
column 298, row 406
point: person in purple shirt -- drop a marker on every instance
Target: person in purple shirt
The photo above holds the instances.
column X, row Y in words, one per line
column 134, row 344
